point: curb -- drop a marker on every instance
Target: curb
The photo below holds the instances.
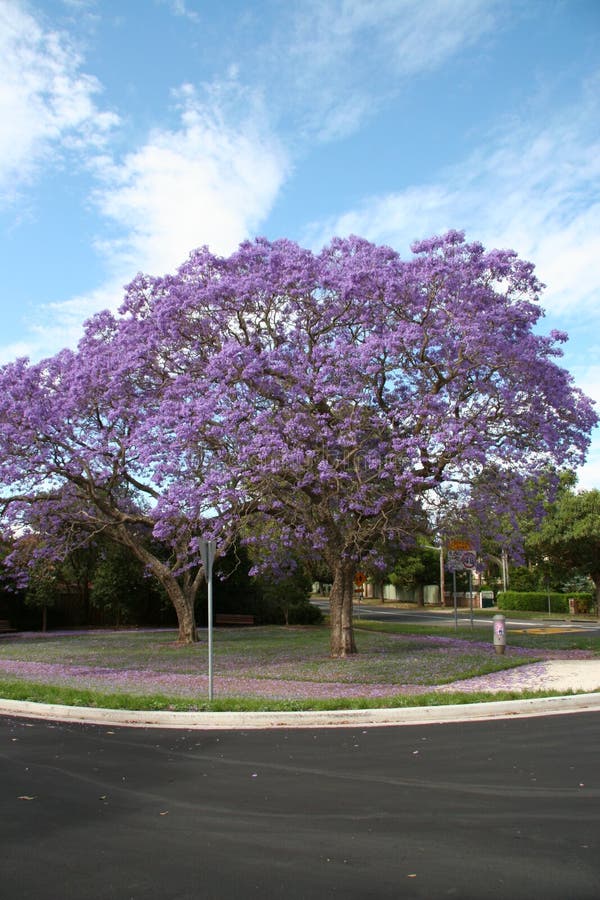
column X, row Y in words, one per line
column 339, row 718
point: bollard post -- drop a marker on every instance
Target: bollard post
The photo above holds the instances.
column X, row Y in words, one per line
column 499, row 634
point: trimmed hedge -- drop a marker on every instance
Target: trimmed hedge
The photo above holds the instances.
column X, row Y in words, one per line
column 537, row 601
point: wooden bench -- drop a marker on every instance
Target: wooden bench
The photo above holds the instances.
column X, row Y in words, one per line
column 233, row 619
column 5, row 626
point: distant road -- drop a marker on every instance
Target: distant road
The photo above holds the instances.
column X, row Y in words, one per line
column 421, row 616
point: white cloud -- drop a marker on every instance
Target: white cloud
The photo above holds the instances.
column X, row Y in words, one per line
column 588, row 476
column 587, row 377
column 210, row 181
column 534, row 189
column 10, row 352
column 46, row 103
column 180, row 8
column 342, row 59
column 60, row 324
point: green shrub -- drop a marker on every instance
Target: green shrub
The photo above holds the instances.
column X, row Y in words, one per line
column 537, row 601
column 304, row 613
column 523, row 580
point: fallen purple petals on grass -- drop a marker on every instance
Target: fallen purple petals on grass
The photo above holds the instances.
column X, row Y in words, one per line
column 177, row 685
column 290, row 664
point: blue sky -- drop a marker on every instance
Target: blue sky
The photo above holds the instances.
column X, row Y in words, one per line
column 136, row 130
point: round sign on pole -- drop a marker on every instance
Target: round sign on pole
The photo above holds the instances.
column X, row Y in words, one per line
column 359, row 579
column 469, row 559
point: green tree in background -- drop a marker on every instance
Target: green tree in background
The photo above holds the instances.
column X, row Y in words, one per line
column 415, row 568
column 569, row 536
column 122, row 589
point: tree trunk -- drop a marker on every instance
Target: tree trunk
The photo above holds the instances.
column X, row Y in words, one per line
column 596, row 579
column 341, row 599
column 182, row 597
column 184, row 607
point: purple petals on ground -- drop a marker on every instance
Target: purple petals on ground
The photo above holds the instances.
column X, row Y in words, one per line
column 286, row 664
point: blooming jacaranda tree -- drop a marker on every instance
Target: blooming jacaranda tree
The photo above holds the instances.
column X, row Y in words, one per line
column 71, row 465
column 77, row 459
column 321, row 401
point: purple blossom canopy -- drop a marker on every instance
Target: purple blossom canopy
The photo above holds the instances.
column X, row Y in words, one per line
column 321, row 399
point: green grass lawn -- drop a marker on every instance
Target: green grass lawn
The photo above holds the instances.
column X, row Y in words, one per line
column 567, row 640
column 263, row 667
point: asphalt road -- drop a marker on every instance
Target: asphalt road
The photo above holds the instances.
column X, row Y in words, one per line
column 505, row 809
column 420, row 616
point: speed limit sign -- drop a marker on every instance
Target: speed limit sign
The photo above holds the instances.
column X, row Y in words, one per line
column 469, row 559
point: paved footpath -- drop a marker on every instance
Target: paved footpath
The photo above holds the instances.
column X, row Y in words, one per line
column 549, row 675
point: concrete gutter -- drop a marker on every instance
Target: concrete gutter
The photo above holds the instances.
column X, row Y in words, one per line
column 351, row 718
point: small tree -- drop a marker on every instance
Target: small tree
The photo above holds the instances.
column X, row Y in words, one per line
column 45, row 583
column 122, row 588
column 416, row 568
column 289, row 594
column 43, row 589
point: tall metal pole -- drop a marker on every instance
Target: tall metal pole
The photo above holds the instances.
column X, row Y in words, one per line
column 504, row 569
column 210, row 636
column 455, row 606
column 207, row 553
column 471, row 595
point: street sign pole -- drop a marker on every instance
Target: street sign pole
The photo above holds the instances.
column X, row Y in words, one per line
column 461, row 556
column 207, row 553
column 360, row 579
column 471, row 594
column 455, row 605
